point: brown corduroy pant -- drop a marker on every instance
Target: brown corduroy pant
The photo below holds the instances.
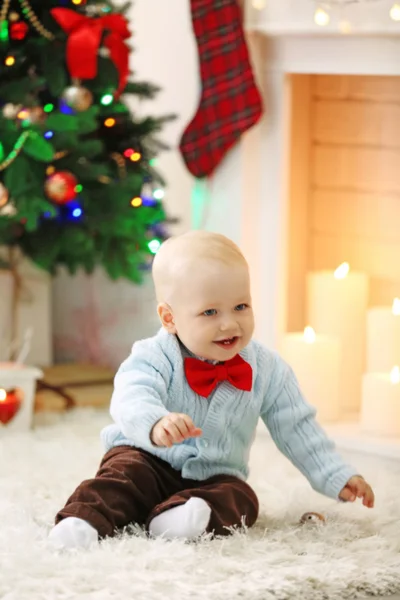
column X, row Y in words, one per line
column 133, row 486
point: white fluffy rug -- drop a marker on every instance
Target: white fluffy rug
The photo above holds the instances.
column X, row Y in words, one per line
column 355, row 554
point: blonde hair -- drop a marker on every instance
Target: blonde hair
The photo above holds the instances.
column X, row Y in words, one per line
column 182, row 254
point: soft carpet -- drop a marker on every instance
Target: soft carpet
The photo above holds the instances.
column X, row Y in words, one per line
column 356, row 553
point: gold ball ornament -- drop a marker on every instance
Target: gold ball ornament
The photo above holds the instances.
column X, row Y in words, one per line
column 78, row 97
column 4, row 195
column 60, row 187
column 10, row 111
column 36, row 115
column 312, row 518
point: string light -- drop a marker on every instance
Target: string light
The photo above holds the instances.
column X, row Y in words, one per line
column 395, row 12
column 23, row 114
column 77, row 212
column 109, row 122
column 78, row 188
column 48, row 135
column 48, row 107
column 9, row 61
column 3, row 20
column 136, row 202
column 159, row 194
column 321, row 17
column 135, row 157
column 128, row 152
column 50, row 170
column 154, row 246
column 107, row 99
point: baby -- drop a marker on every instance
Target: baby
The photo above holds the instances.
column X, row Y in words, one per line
column 186, row 405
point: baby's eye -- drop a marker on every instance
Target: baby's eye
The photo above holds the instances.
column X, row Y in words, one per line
column 210, row 312
column 241, row 307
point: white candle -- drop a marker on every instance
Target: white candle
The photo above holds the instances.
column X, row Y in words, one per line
column 337, row 306
column 380, row 409
column 383, row 337
column 316, row 363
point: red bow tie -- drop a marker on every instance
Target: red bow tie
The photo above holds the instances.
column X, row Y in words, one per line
column 204, row 377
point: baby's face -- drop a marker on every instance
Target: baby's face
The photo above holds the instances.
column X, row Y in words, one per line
column 212, row 311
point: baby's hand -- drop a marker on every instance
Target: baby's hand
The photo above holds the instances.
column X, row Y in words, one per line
column 173, row 429
column 357, row 487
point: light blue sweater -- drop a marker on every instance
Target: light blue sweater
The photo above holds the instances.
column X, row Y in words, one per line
column 151, row 383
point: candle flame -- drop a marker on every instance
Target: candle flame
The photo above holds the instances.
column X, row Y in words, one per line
column 395, row 375
column 396, row 306
column 309, row 335
column 3, row 395
column 342, row 271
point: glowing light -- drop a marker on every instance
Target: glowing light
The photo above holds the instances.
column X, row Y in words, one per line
column 395, row 375
column 395, row 12
column 342, row 271
column 107, row 99
column 135, row 157
column 109, row 122
column 159, row 194
column 154, row 246
column 153, row 162
column 50, row 170
column 309, row 335
column 77, row 212
column 128, row 152
column 258, row 4
column 78, row 188
column 48, row 107
column 48, row 135
column 77, row 2
column 136, row 202
column 321, row 17
column 9, row 61
column 23, row 114
column 3, row 395
column 396, row 306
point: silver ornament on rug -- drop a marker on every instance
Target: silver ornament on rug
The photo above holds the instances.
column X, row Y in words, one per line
column 78, row 97
column 312, row 518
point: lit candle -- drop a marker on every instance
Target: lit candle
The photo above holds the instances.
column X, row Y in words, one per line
column 10, row 403
column 383, row 337
column 337, row 305
column 380, row 409
column 315, row 360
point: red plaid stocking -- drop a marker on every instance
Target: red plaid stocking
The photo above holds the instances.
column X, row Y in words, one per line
column 230, row 102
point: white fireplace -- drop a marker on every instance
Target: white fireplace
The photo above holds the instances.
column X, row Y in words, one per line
column 321, row 175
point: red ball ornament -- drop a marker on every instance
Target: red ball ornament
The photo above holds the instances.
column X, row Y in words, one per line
column 61, row 187
column 19, row 30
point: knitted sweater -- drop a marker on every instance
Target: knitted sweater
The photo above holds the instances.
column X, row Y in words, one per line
column 151, row 383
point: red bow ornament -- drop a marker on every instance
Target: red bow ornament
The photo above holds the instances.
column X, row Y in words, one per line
column 204, row 377
column 84, row 38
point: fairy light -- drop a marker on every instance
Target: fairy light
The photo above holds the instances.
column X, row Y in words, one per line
column 50, row 170
column 16, row 150
column 110, row 122
column 107, row 99
column 154, row 246
column 9, row 61
column 136, row 202
column 158, row 194
column 128, row 152
column 135, row 157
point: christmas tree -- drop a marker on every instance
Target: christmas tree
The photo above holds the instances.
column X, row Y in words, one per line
column 78, row 185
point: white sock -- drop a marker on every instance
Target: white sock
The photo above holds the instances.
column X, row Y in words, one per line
column 73, row 533
column 187, row 521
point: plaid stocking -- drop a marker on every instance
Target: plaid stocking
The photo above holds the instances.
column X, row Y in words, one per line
column 230, row 101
